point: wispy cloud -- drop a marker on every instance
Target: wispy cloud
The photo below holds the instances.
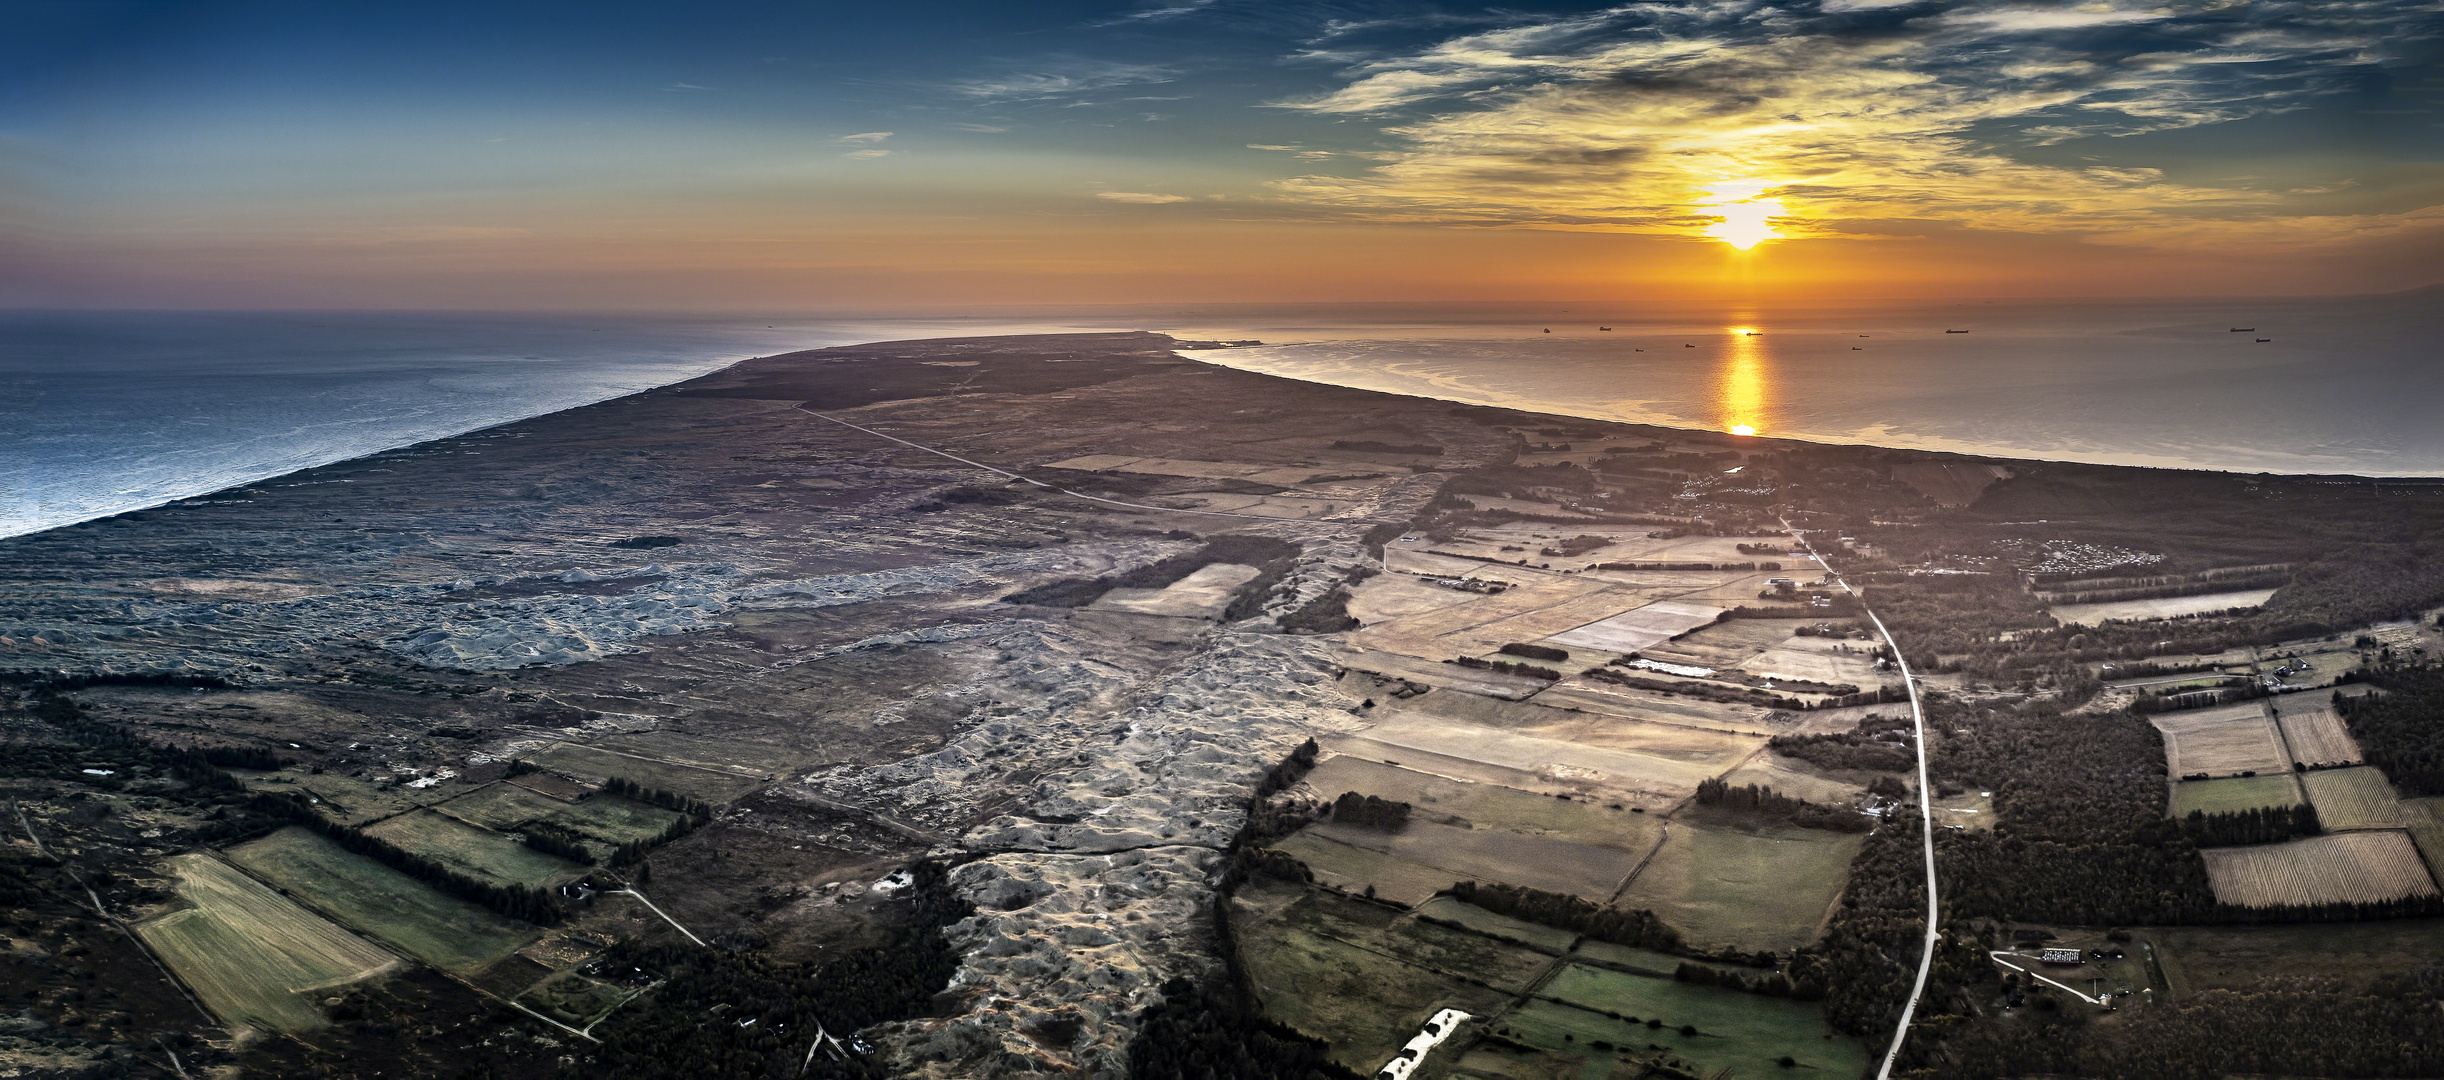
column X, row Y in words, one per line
column 1859, row 117
column 868, row 154
column 684, row 88
column 865, row 137
column 1064, row 78
column 981, row 129
column 1145, row 197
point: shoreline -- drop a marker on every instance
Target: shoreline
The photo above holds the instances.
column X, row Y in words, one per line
column 1202, row 356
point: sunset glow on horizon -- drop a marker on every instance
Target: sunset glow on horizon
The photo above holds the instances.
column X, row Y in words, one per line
column 761, row 156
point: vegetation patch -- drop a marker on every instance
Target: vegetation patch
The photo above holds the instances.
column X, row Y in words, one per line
column 1744, row 1033
column 383, row 903
column 2354, row 799
column 2344, row 868
column 2234, row 794
column 1770, row 889
column 477, row 852
column 253, row 955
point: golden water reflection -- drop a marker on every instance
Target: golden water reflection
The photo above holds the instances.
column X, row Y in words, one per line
column 1743, row 387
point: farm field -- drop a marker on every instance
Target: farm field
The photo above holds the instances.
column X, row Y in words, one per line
column 2232, row 957
column 2341, row 867
column 1385, row 597
column 587, row 761
column 1539, row 862
column 738, row 756
column 476, row 852
column 1358, row 869
column 1703, row 748
column 1732, row 642
column 1543, row 939
column 383, row 903
column 2315, row 731
column 2222, row 741
column 614, row 820
column 1639, row 628
column 574, row 999
column 1770, row 889
column 251, row 954
column 2427, row 831
column 1201, row 595
column 502, row 806
column 1795, row 778
column 2234, row 793
column 344, row 799
column 2359, row 798
column 1488, row 806
column 1744, row 1033
column 1819, row 660
column 1625, row 771
column 1616, row 700
column 2169, row 607
column 1366, row 1000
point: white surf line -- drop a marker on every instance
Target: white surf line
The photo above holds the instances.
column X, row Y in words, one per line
column 1926, row 825
column 1997, row 956
column 1089, row 498
column 640, row 898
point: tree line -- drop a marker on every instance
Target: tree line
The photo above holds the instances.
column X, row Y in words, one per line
column 1761, row 799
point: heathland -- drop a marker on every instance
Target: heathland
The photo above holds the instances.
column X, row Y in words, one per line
column 1067, row 705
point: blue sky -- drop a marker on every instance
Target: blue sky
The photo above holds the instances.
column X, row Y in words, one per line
column 928, row 154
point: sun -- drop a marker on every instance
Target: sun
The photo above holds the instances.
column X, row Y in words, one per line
column 1747, row 218
column 1743, row 429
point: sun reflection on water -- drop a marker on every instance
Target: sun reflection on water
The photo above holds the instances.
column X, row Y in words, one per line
column 1744, row 385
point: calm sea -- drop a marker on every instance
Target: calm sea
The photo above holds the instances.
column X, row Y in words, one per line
column 102, row 412
column 2335, row 386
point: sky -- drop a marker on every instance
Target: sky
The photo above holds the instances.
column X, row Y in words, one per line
column 846, row 155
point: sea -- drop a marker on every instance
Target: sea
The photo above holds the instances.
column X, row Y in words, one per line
column 107, row 411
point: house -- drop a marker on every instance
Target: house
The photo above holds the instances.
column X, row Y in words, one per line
column 2062, row 956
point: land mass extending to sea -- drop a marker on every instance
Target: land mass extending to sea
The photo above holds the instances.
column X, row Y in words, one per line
column 1040, row 612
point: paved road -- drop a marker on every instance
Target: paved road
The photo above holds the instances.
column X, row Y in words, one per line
column 1926, row 831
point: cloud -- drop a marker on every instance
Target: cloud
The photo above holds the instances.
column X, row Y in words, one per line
column 865, row 137
column 1062, row 79
column 1851, row 112
column 867, row 155
column 1145, row 197
column 684, row 88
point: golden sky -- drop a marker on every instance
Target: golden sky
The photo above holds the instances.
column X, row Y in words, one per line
column 755, row 156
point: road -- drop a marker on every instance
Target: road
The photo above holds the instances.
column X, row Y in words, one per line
column 1926, row 828
column 1076, row 495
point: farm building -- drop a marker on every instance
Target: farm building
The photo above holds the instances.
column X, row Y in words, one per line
column 2062, row 956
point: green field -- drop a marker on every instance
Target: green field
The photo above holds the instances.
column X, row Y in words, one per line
column 1544, row 939
column 614, row 820
column 502, row 806
column 1342, row 970
column 598, row 764
column 1539, row 862
column 383, row 903
column 2427, row 831
column 1745, row 1033
column 476, row 852
column 2198, row 958
column 2234, row 793
column 1770, row 889
column 252, row 955
column 573, row 999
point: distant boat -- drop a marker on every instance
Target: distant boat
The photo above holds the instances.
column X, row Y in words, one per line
column 1548, row 329
column 1752, row 333
column 2265, row 339
column 1687, row 346
column 1855, row 348
column 1603, row 328
column 1956, row 331
column 2244, row 329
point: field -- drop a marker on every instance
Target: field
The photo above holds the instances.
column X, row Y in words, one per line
column 1664, row 771
column 1537, row 936
column 1766, row 890
column 1539, row 862
column 1201, row 595
column 2342, row 867
column 2315, row 731
column 1359, row 870
column 707, row 784
column 1362, row 978
column 252, row 955
column 2234, row 793
column 1795, row 778
column 2221, row 741
column 2170, row 607
column 573, row 999
column 502, row 806
column 2196, row 958
column 2427, row 831
column 1488, row 806
column 1633, row 630
column 383, row 903
column 1743, row 1033
column 476, row 852
column 2358, row 798
column 1733, row 642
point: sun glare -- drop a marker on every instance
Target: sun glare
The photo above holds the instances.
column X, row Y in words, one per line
column 1747, row 219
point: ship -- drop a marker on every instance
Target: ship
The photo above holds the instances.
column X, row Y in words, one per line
column 1956, row 331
